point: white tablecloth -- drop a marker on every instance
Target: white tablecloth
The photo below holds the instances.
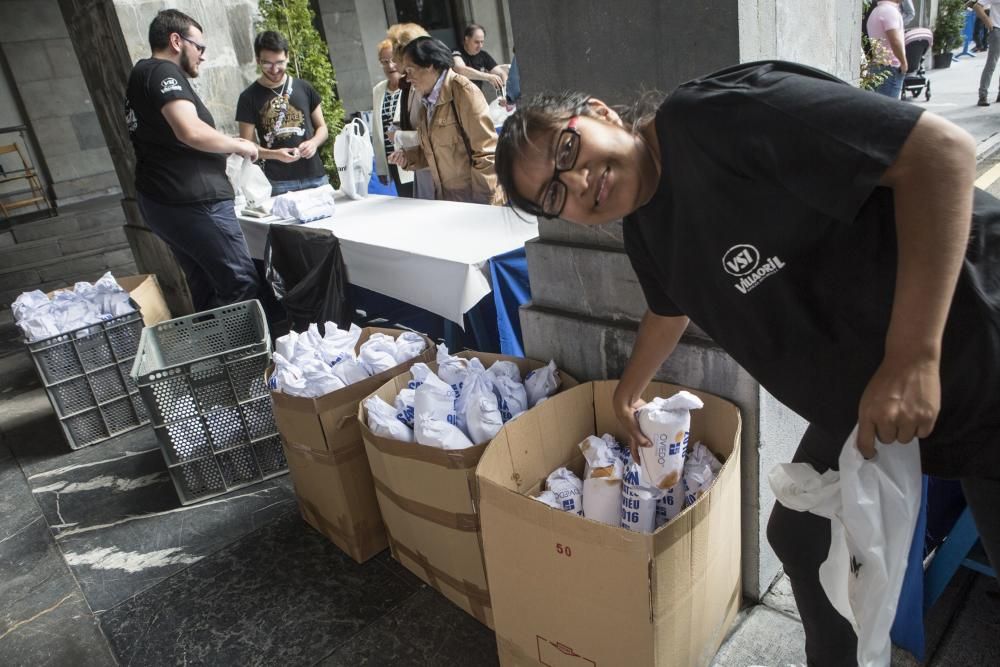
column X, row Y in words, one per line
column 430, row 254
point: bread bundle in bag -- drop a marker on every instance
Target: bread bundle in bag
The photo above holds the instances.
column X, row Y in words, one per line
column 638, row 501
column 602, row 482
column 568, row 489
column 667, row 424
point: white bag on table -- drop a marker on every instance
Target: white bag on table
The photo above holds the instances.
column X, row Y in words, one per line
column 872, row 506
column 248, row 179
column 354, row 155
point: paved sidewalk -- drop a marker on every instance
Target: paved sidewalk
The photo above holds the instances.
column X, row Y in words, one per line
column 954, row 93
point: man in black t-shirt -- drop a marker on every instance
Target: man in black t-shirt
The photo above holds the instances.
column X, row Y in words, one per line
column 474, row 63
column 285, row 115
column 180, row 171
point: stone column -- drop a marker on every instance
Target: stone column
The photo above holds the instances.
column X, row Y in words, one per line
column 586, row 302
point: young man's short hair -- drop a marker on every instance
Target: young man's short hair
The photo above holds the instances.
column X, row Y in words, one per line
column 166, row 23
column 269, row 40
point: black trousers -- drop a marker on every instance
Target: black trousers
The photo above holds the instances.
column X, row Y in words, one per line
column 801, row 541
column 402, row 189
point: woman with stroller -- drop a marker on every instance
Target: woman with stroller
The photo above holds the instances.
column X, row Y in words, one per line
column 830, row 240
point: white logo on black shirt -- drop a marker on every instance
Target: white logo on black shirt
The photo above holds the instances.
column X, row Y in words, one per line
column 168, row 85
column 743, row 262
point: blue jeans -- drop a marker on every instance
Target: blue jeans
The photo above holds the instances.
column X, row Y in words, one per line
column 281, row 187
column 209, row 245
column 893, row 85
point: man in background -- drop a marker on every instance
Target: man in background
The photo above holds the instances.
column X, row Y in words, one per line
column 286, row 116
column 474, row 63
column 983, row 9
column 180, row 172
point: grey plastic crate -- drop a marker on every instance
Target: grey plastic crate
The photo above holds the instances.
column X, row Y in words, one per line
column 201, row 378
column 85, row 373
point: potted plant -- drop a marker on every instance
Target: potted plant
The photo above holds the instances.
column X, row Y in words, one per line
column 948, row 29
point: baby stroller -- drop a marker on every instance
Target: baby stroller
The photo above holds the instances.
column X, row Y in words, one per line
column 918, row 43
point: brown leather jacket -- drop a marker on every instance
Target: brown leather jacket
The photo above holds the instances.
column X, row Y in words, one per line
column 458, row 150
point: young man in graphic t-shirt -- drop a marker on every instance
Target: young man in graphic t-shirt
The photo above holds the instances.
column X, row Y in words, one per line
column 180, row 170
column 284, row 115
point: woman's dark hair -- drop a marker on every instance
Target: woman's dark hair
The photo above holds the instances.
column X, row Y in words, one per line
column 166, row 23
column 471, row 29
column 429, row 52
column 538, row 118
column 269, row 40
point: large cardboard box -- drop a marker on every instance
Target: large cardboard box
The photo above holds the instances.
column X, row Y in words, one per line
column 326, row 459
column 429, row 505
column 570, row 591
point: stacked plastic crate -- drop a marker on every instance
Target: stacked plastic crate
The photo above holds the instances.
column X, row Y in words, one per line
column 202, row 379
column 86, row 376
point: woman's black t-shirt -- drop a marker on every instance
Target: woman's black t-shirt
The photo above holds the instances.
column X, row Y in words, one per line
column 770, row 231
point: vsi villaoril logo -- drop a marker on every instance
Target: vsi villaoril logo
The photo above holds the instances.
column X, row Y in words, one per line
column 743, row 262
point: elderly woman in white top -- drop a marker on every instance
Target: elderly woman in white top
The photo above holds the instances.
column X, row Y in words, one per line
column 386, row 104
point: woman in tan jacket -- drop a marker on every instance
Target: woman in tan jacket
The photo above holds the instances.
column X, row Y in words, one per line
column 457, row 138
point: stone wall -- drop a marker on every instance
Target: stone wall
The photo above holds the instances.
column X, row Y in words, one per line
column 46, row 77
column 586, row 303
column 229, row 66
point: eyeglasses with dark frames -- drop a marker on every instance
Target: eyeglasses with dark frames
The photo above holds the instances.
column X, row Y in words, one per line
column 201, row 47
column 567, row 150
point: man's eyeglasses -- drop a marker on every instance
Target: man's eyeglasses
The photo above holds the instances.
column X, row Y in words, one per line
column 567, row 150
column 385, row 63
column 201, row 47
column 267, row 64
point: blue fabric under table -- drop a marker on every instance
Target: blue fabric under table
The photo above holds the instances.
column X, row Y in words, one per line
column 492, row 325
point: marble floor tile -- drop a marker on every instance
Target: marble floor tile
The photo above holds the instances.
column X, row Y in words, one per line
column 427, row 630
column 282, row 596
column 119, row 559
column 52, row 626
column 44, row 618
column 18, row 373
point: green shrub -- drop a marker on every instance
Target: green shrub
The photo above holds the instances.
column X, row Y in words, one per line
column 949, row 26
column 308, row 59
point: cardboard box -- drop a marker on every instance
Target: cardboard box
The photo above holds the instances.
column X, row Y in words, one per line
column 145, row 291
column 570, row 591
column 429, row 506
column 326, row 459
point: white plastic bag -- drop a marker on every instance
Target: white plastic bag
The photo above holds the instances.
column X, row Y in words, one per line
column 439, row 433
column 602, row 482
column 350, row 370
column 247, row 179
column 306, row 205
column 568, row 489
column 419, row 372
column 378, row 353
column 383, row 422
column 872, row 506
column 542, row 383
column 404, row 406
column 434, row 399
column 638, row 501
column 408, row 345
column 478, row 414
column 353, row 154
column 451, row 369
column 548, row 498
column 670, row 504
column 667, row 424
column 498, row 110
column 511, row 396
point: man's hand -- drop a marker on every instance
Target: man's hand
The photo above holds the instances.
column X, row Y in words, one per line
column 495, row 80
column 307, row 149
column 247, row 149
column 901, row 402
column 625, row 407
column 397, row 158
column 287, row 154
